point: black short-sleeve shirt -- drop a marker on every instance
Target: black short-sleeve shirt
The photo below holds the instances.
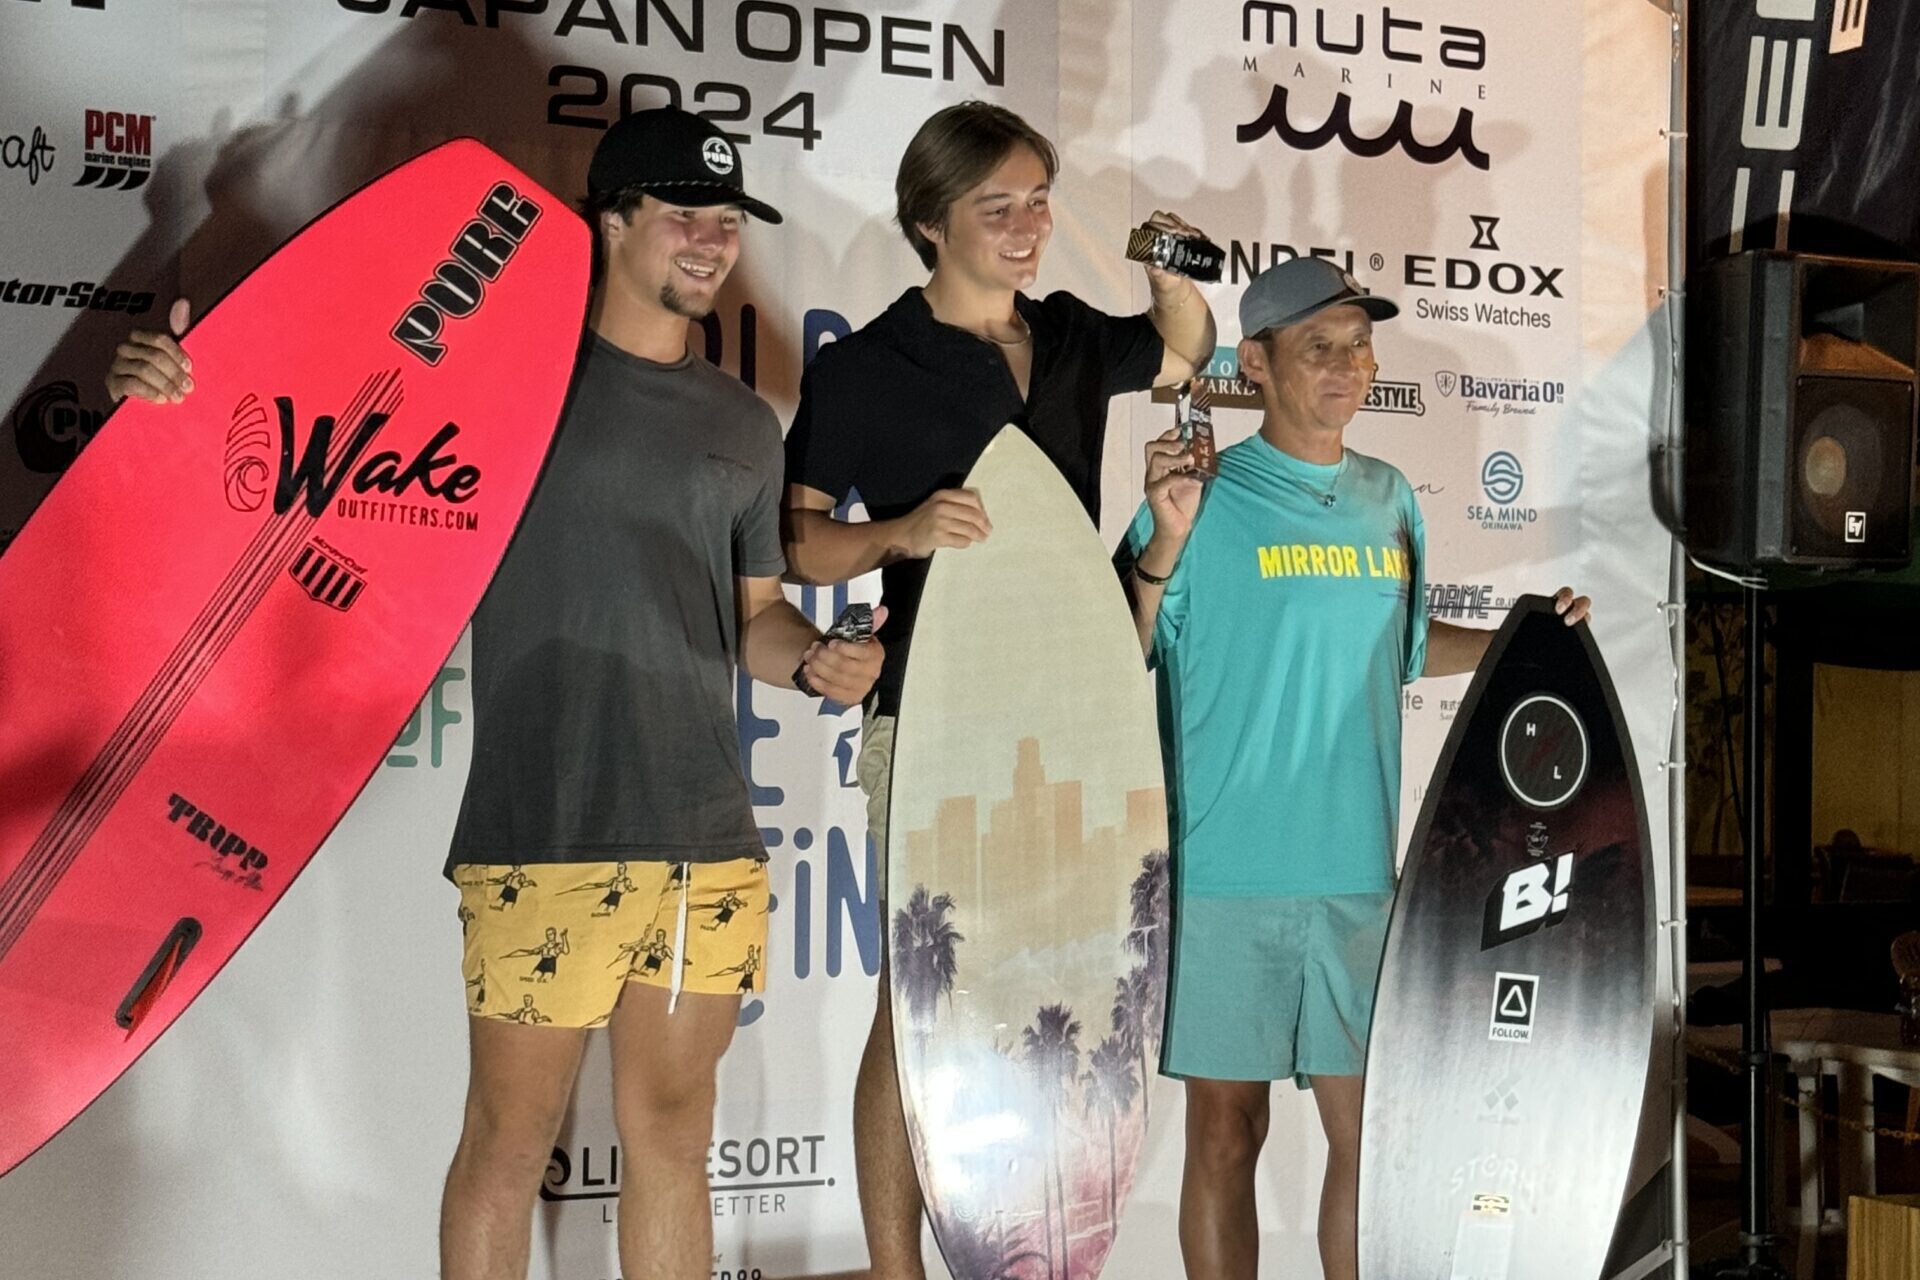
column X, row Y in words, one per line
column 604, row 651
column 904, row 407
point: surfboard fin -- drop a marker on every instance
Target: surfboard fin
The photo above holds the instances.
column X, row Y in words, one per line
column 159, row 972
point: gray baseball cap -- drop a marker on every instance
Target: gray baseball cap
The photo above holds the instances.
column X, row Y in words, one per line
column 1288, row 292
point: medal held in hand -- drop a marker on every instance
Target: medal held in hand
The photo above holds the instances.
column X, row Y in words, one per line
column 1193, row 414
column 1195, row 257
column 855, row 623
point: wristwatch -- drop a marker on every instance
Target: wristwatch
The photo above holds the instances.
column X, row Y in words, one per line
column 855, row 623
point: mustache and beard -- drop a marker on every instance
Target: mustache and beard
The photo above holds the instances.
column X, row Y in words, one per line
column 680, row 305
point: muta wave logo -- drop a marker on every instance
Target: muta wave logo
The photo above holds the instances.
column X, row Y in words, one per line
column 1339, row 126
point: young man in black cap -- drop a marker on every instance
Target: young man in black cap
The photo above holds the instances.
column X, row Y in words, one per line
column 1283, row 615
column 605, row 747
column 902, row 409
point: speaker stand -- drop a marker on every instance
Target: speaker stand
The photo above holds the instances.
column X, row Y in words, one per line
column 1756, row 1259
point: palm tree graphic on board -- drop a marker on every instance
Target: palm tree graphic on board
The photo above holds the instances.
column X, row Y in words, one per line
column 1139, row 999
column 1110, row 1089
column 976, row 1251
column 1137, row 1014
column 925, row 942
column 1051, row 1045
column 1148, row 900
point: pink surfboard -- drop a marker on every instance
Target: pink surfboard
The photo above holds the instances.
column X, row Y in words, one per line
column 217, row 622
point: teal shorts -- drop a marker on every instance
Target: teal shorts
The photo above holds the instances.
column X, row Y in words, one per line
column 1265, row 988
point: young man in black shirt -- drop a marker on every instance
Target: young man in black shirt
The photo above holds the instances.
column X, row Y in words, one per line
column 606, row 756
column 901, row 410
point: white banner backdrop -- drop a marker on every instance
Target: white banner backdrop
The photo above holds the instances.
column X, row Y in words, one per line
column 297, row 1120
column 1505, row 182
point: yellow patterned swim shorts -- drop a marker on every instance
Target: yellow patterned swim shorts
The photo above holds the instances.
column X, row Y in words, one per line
column 555, row 943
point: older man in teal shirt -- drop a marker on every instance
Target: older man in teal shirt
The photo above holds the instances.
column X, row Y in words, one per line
column 1284, row 613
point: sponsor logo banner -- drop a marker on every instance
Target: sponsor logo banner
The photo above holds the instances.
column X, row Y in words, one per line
column 1472, row 282
column 1248, row 258
column 1501, row 477
column 1502, row 480
column 1227, row 389
column 1779, row 130
column 51, row 425
column 29, row 153
column 1465, row 601
column 1376, row 66
column 1499, row 394
column 431, row 720
column 690, row 53
column 1483, row 285
column 755, row 1176
column 1387, row 396
column 76, row 295
column 118, row 150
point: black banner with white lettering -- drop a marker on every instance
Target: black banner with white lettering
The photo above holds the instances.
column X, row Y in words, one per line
column 1803, row 134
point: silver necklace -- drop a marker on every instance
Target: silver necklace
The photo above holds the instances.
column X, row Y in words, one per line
column 1325, row 495
column 1020, row 341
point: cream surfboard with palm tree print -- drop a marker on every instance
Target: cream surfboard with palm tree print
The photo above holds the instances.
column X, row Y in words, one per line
column 1027, row 869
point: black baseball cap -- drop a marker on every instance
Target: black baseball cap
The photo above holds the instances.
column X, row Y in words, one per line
column 674, row 156
column 1289, row 292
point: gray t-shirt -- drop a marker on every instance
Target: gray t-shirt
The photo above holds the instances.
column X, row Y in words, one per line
column 604, row 652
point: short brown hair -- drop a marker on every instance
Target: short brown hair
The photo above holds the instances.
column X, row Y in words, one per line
column 621, row 201
column 953, row 152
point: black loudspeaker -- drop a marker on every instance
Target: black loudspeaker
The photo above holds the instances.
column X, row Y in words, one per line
column 1802, row 400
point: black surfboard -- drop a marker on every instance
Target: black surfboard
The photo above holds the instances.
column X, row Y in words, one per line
column 1514, row 1023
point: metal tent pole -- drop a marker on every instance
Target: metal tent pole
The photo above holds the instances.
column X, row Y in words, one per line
column 1677, row 631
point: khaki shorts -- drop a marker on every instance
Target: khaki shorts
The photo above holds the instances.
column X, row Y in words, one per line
column 875, row 772
column 556, row 943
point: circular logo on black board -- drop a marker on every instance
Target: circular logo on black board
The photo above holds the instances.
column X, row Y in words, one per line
column 1543, row 752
